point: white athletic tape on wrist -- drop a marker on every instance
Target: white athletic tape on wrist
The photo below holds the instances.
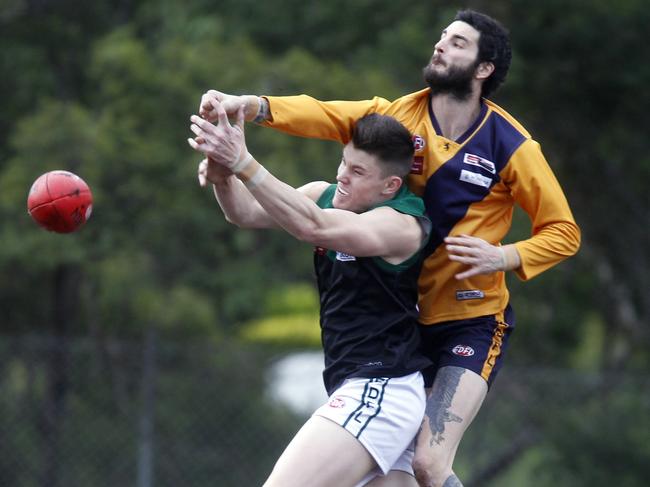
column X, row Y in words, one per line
column 504, row 259
column 257, row 178
column 242, row 163
column 262, row 110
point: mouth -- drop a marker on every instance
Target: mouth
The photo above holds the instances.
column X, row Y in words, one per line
column 436, row 60
column 342, row 192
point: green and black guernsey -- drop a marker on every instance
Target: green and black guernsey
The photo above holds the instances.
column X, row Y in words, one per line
column 368, row 307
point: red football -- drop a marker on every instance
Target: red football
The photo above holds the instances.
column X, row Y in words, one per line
column 60, row 201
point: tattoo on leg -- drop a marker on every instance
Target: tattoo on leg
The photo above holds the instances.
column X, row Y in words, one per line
column 452, row 481
column 438, row 404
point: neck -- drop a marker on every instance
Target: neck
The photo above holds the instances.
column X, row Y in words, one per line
column 453, row 115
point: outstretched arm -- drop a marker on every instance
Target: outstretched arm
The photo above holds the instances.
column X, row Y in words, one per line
column 380, row 232
column 255, row 107
column 238, row 205
column 300, row 115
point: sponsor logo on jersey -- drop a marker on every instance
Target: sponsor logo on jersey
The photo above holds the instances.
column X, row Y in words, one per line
column 343, row 257
column 463, row 350
column 475, row 178
column 418, row 165
column 337, row 402
column 418, row 143
column 471, row 294
column 475, row 160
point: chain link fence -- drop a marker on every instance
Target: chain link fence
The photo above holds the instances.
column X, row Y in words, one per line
column 107, row 413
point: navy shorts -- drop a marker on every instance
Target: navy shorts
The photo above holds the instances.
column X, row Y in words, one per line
column 477, row 344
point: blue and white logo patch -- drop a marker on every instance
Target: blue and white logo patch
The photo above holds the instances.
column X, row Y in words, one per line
column 343, row 257
column 475, row 178
column 479, row 161
column 469, row 294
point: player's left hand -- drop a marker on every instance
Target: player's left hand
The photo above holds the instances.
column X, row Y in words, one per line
column 210, row 171
column 481, row 256
column 223, row 143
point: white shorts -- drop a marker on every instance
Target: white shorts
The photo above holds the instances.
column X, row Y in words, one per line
column 384, row 414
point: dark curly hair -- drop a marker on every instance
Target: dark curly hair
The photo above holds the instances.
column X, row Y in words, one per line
column 493, row 47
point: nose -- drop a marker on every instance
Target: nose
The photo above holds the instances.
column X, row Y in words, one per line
column 341, row 174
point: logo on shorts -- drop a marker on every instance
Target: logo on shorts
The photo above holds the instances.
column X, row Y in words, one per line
column 337, row 402
column 463, row 350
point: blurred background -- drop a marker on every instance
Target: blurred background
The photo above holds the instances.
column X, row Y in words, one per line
column 160, row 346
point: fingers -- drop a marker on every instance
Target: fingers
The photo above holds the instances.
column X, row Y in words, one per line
column 470, row 273
column 222, row 116
column 461, row 250
column 206, row 107
column 197, row 131
column 239, row 122
column 203, row 167
column 204, row 125
column 207, row 104
column 193, row 144
column 216, row 94
column 464, row 240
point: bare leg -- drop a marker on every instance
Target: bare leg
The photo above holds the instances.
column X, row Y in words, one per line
column 456, row 396
column 321, row 454
column 394, row 478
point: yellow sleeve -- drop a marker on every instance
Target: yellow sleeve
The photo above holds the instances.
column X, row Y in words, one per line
column 305, row 116
column 555, row 234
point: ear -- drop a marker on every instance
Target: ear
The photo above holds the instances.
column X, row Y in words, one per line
column 484, row 70
column 392, row 185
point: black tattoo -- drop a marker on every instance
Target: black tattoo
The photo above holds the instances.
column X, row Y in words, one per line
column 452, row 481
column 439, row 402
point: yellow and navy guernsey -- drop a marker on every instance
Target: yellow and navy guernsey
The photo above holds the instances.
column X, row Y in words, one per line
column 469, row 186
column 368, row 307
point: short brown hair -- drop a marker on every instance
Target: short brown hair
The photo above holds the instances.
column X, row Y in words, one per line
column 387, row 139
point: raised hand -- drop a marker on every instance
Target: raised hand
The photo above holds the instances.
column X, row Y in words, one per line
column 223, row 143
column 229, row 103
column 210, row 171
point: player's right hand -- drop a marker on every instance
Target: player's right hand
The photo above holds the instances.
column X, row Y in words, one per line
column 209, row 100
column 230, row 104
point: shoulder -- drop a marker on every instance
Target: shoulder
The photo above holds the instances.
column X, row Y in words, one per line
column 416, row 95
column 411, row 99
column 405, row 202
column 317, row 190
column 507, row 117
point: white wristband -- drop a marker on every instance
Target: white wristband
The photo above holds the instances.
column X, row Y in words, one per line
column 257, row 178
column 504, row 260
column 262, row 110
column 242, row 163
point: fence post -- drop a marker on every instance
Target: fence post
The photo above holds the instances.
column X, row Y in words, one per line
column 147, row 411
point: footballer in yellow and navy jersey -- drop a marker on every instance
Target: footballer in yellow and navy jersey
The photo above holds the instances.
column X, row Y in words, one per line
column 469, row 186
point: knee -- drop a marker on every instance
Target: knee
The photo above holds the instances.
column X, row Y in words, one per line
column 429, row 472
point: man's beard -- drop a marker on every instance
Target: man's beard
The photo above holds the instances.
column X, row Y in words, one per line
column 457, row 81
